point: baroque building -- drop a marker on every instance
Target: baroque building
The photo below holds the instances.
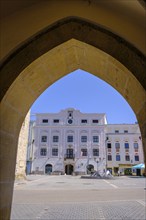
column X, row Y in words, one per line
column 72, row 142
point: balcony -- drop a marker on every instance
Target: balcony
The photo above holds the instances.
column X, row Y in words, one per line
column 69, row 156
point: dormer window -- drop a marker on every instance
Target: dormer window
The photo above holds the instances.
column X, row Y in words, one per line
column 94, row 121
column 56, row 120
column 45, row 120
column 84, row 121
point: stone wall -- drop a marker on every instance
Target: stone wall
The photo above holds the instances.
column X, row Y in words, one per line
column 20, row 171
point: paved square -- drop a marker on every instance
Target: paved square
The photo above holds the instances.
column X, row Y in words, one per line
column 72, row 198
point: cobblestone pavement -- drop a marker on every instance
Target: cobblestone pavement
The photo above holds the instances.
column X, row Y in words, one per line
column 71, row 198
column 118, row 210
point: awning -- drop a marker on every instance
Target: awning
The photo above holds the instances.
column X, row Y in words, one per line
column 139, row 166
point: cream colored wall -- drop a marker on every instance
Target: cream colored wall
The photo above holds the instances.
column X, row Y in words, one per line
column 17, row 28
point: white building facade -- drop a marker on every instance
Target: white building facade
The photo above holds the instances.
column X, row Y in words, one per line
column 72, row 142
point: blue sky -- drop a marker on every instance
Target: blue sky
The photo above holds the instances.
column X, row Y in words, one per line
column 87, row 93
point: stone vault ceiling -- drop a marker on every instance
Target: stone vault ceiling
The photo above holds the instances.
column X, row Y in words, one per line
column 8, row 7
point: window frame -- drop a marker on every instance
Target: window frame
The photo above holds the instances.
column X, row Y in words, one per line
column 70, row 139
column 136, row 156
column 55, row 121
column 95, row 121
column 84, row 152
column 45, row 120
column 118, row 158
column 42, row 137
column 95, row 138
column 55, row 152
column 95, row 152
column 118, row 145
column 109, row 145
column 127, row 156
column 83, row 138
column 135, row 147
column 43, row 151
column 55, row 139
column 126, row 143
column 109, row 157
column 84, row 121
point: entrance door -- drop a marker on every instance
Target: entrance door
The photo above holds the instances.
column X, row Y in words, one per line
column 90, row 169
column 69, row 169
column 48, row 168
column 138, row 172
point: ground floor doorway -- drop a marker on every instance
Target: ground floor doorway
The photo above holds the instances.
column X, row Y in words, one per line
column 128, row 171
column 90, row 168
column 138, row 172
column 116, row 169
column 69, row 169
column 48, row 168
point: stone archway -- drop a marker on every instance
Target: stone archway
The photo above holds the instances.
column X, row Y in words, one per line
column 36, row 65
column 90, row 168
column 69, row 169
column 48, row 168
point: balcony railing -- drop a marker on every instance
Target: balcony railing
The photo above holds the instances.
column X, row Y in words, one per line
column 69, row 156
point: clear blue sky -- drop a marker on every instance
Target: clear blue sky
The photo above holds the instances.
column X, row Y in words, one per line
column 87, row 93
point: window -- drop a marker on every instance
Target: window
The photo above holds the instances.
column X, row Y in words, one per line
column 136, row 145
column 83, row 152
column 45, row 120
column 56, row 120
column 70, row 114
column 126, row 145
column 55, row 152
column 43, row 152
column 117, row 157
column 95, row 121
column 127, row 158
column 95, row 139
column 109, row 157
column 55, row 139
column 117, row 145
column 83, row 139
column 109, row 145
column 125, row 131
column 44, row 139
column 95, row 152
column 136, row 158
column 69, row 153
column 84, row 121
column 116, row 131
column 70, row 138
